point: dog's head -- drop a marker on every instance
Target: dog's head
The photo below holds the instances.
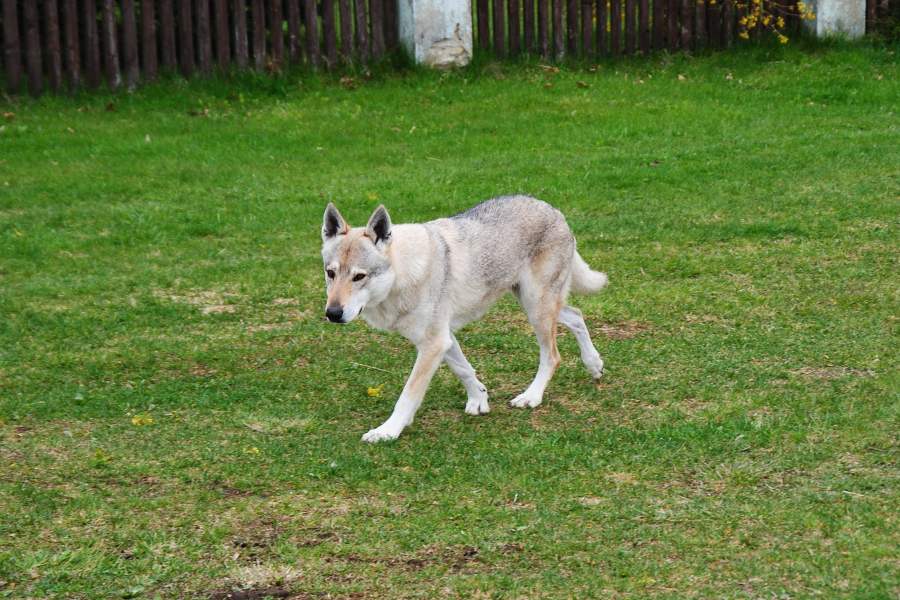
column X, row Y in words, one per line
column 357, row 268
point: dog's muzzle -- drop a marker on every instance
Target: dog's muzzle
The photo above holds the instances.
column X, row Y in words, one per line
column 335, row 314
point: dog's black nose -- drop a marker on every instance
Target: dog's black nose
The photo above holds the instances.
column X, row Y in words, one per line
column 334, row 313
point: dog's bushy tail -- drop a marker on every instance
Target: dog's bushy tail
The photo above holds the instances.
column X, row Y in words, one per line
column 584, row 279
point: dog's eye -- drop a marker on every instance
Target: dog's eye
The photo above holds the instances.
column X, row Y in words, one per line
column 330, row 273
column 359, row 277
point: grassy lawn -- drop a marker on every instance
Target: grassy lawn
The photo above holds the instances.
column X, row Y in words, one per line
column 177, row 419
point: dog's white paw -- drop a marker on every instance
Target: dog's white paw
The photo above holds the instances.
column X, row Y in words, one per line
column 594, row 365
column 526, row 400
column 381, row 434
column 478, row 406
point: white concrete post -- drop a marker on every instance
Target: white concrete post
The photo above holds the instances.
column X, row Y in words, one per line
column 838, row 17
column 437, row 33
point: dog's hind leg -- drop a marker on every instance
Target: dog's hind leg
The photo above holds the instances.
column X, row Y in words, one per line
column 477, row 403
column 542, row 313
column 572, row 319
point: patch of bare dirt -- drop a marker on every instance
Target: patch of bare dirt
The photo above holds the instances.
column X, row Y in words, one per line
column 252, row 594
column 829, row 373
column 458, row 558
column 285, row 302
column 624, row 330
column 209, row 302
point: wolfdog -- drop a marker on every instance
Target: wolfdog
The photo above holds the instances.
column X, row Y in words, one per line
column 427, row 280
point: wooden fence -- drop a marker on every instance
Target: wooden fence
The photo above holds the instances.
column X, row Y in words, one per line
column 70, row 44
column 592, row 28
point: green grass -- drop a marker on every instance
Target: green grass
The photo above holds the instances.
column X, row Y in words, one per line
column 744, row 443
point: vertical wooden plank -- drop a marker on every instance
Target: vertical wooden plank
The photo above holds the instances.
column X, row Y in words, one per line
column 558, row 35
column 587, row 26
column 92, row 44
column 258, row 22
column 130, row 45
column 110, row 38
column 714, row 24
column 346, row 30
column 484, row 28
column 33, row 64
column 572, row 27
column 185, row 38
column 630, row 33
column 312, row 31
column 687, row 24
column 644, row 26
column 239, row 29
column 330, row 32
column 149, row 63
column 514, row 24
column 72, row 49
column 672, row 35
column 12, row 48
column 204, row 40
column 700, row 24
column 870, row 15
column 528, row 23
column 276, row 33
column 376, row 20
column 659, row 24
column 293, row 19
column 602, row 37
column 362, row 31
column 223, row 36
column 391, row 34
column 544, row 27
column 167, row 30
column 51, row 43
column 615, row 27
column 499, row 29
column 728, row 23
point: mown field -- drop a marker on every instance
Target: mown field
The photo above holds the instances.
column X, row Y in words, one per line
column 178, row 420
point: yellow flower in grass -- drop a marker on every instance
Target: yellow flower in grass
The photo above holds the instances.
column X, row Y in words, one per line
column 783, row 39
column 375, row 392
column 141, row 420
column 252, row 450
column 744, row 35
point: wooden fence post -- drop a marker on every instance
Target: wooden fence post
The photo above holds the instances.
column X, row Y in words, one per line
column 92, row 44
column 558, row 35
column 12, row 53
column 528, row 26
column 376, row 21
column 362, row 28
column 346, row 31
column 71, row 52
column 111, row 45
column 587, row 27
column 659, row 24
column 644, row 26
column 186, row 38
column 499, row 29
column 572, row 27
column 51, row 43
column 330, row 32
column 514, row 24
column 312, row 30
column 204, row 41
column 167, row 35
column 630, row 34
column 223, row 36
column 257, row 15
column 276, row 33
column 148, row 39
column 615, row 27
column 33, row 62
column 687, row 24
column 293, row 18
column 241, row 42
column 602, row 16
column 544, row 28
column 130, row 45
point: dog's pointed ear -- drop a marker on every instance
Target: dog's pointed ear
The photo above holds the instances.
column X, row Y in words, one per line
column 333, row 223
column 379, row 227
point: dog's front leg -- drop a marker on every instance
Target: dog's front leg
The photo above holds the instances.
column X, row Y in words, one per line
column 431, row 353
